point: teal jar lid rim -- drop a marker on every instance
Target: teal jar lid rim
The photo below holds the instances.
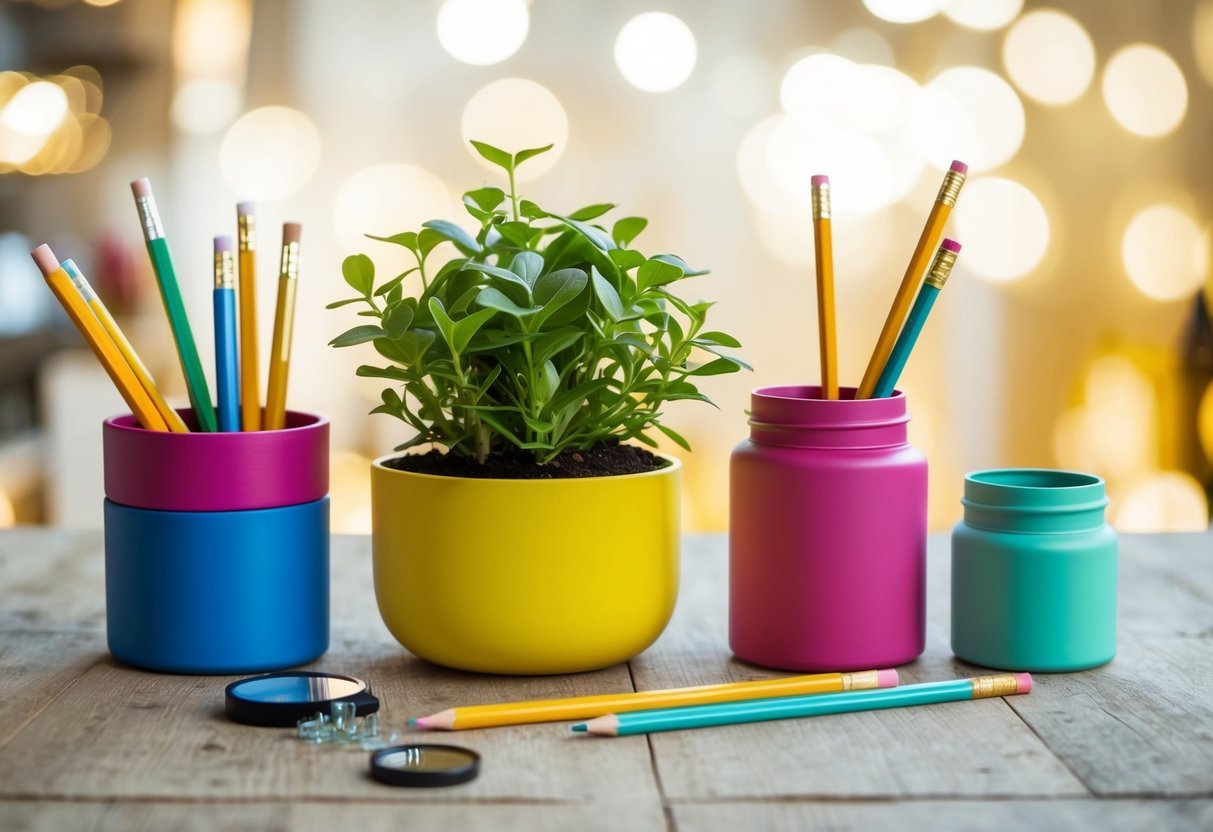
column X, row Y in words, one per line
column 1034, row 489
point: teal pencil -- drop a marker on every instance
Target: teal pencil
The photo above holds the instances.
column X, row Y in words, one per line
column 170, row 294
column 937, row 276
column 788, row 707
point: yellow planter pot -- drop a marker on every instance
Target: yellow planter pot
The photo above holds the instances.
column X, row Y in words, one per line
column 526, row 576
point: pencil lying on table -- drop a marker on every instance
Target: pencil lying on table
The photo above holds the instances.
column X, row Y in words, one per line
column 763, row 710
column 584, row 707
column 74, row 303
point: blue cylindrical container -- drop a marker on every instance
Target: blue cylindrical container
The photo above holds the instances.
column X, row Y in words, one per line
column 217, row 547
column 1034, row 572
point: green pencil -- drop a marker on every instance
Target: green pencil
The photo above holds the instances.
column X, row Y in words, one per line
column 170, row 293
column 787, row 707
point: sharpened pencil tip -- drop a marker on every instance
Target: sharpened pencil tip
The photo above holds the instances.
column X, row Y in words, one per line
column 579, row 728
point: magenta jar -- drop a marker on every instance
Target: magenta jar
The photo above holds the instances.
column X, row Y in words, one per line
column 827, row 533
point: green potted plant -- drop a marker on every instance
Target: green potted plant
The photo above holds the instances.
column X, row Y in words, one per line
column 538, row 539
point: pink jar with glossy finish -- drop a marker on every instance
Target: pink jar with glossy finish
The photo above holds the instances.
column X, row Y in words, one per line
column 827, row 534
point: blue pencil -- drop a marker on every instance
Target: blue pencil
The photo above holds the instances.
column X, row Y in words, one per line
column 787, row 707
column 227, row 376
column 945, row 259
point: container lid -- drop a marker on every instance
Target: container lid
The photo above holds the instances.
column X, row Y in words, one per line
column 280, row 700
column 425, row 765
column 1034, row 500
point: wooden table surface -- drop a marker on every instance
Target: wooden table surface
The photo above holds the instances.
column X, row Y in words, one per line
column 86, row 743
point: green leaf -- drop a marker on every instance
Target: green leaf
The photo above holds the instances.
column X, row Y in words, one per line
column 677, row 437
column 626, row 258
column 554, row 342
column 359, row 272
column 522, row 155
column 408, row 239
column 443, row 321
column 394, row 373
column 717, row 367
column 530, row 210
column 514, row 286
column 495, row 155
column 554, row 289
column 548, row 381
column 675, row 260
column 719, row 339
column 607, row 295
column 462, row 240
column 627, row 229
column 519, row 233
column 466, row 328
column 495, row 299
column 655, row 272
column 397, row 321
column 590, row 212
column 394, row 282
column 412, row 345
column 500, row 427
column 527, row 265
column 337, row 304
column 597, row 236
column 429, row 239
column 357, row 335
column 486, row 199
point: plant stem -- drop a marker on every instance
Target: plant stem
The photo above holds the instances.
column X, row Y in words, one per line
column 513, row 194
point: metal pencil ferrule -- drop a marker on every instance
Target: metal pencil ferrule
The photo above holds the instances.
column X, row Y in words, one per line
column 246, row 232
column 821, row 202
column 150, row 215
column 290, row 261
column 223, row 270
column 863, row 680
column 950, row 189
column 937, row 275
column 988, row 687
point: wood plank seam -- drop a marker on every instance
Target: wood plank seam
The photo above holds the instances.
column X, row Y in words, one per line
column 667, row 810
column 1050, row 749
column 50, row 700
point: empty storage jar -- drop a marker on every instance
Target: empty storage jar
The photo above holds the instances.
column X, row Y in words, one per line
column 1034, row 572
column 827, row 534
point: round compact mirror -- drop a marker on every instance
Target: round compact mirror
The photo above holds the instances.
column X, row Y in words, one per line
column 425, row 765
column 280, row 700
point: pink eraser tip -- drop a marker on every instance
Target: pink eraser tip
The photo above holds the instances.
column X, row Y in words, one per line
column 819, row 179
column 959, row 166
column 244, row 209
column 223, row 244
column 291, row 232
column 45, row 259
column 142, row 187
column 951, row 245
column 887, row 678
column 1023, row 682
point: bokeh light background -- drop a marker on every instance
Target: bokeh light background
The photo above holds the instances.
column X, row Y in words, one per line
column 1070, row 335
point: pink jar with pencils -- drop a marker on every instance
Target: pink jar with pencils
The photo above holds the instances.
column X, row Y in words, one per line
column 827, row 534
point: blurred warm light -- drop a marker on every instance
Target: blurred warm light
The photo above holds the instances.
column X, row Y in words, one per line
column 903, row 11
column 1202, row 38
column 95, row 140
column 205, row 105
column 211, row 37
column 1049, row 56
column 101, row 3
column 982, row 15
column 655, row 52
column 860, row 174
column 1145, row 90
column 741, row 85
column 36, row 109
column 1204, row 422
column 269, row 153
column 515, row 114
column 482, row 32
column 863, row 46
column 826, row 89
column 861, row 241
column 8, row 515
column 384, row 200
column 1004, row 229
column 1166, row 501
column 1165, row 253
column 350, row 492
column 1121, row 417
column 758, row 181
column 971, row 114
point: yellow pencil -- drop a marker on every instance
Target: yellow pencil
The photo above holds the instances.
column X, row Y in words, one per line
column 284, row 322
column 944, row 201
column 171, row 418
column 250, row 379
column 587, row 707
column 103, row 347
column 827, row 335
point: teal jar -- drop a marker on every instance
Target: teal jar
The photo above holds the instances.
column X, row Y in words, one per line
column 1034, row 572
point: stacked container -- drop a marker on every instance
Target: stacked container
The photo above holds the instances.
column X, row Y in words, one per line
column 217, row 546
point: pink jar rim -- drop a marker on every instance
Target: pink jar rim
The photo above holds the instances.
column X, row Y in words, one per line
column 216, row 471
column 796, row 416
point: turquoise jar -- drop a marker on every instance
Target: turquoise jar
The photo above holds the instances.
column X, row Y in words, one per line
column 1034, row 572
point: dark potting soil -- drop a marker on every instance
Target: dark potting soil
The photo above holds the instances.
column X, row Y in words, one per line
column 601, row 461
